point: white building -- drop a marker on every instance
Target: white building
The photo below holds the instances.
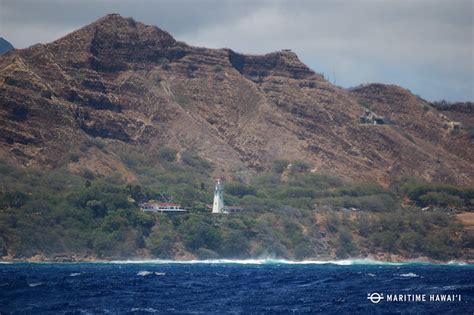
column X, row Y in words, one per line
column 161, row 207
column 218, row 205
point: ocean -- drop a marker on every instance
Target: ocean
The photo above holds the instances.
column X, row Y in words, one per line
column 236, row 287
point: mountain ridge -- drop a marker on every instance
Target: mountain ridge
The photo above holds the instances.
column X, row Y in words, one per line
column 134, row 85
column 5, row 45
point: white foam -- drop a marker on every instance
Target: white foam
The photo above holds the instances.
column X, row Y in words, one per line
column 146, row 310
column 274, row 261
column 145, row 273
column 75, row 274
column 35, row 284
column 409, row 275
column 265, row 261
column 450, row 287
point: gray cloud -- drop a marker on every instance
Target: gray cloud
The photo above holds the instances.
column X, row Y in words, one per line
column 426, row 46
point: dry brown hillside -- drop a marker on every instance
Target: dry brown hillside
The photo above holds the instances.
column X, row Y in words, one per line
column 132, row 84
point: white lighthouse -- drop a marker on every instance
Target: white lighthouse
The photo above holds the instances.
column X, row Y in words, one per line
column 218, row 206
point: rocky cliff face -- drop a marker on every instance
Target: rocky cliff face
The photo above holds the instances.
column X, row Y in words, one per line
column 134, row 85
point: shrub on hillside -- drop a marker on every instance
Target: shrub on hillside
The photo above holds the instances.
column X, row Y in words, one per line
column 167, row 154
column 240, row 190
column 345, row 246
column 196, row 162
column 279, row 166
column 425, row 194
column 14, row 199
column 440, row 199
column 197, row 233
column 299, row 167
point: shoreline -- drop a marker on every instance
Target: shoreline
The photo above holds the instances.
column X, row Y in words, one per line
column 371, row 260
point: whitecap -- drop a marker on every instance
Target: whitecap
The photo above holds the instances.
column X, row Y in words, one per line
column 145, row 273
column 35, row 284
column 371, row 275
column 450, row 287
column 146, row 310
column 409, row 275
column 75, row 274
column 221, row 275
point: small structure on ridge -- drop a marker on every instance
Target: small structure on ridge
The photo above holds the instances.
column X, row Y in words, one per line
column 369, row 117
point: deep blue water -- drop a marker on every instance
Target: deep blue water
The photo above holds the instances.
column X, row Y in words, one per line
column 230, row 288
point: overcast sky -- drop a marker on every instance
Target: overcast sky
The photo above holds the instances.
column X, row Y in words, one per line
column 426, row 46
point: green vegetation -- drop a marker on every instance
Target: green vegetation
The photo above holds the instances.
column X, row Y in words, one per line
column 279, row 166
column 423, row 194
column 470, row 131
column 295, row 214
column 218, row 68
column 411, row 233
column 167, row 154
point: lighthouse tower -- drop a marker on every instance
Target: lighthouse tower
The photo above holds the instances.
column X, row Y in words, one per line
column 218, row 206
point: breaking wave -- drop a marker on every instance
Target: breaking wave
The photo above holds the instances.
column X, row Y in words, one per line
column 35, row 284
column 145, row 273
column 409, row 275
column 270, row 261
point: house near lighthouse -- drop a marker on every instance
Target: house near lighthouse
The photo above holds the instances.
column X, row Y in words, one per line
column 161, row 207
column 218, row 205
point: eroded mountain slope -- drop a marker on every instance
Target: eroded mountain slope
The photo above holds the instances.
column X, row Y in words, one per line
column 133, row 85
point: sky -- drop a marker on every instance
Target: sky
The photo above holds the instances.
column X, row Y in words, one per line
column 426, row 46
